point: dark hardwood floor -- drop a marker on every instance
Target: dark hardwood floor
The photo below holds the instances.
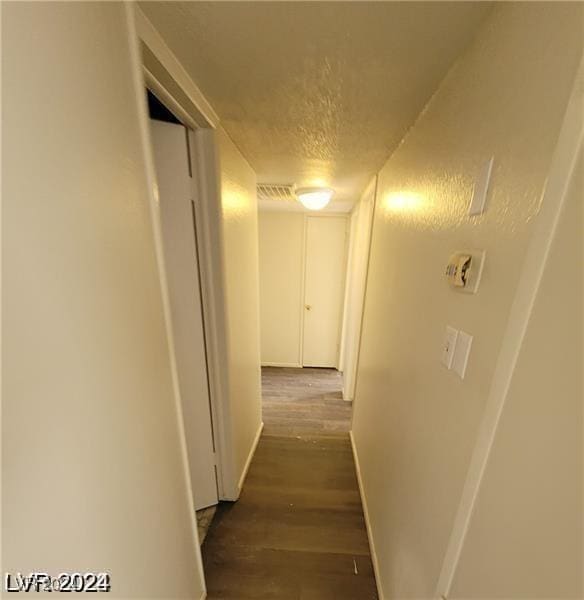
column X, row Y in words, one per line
column 297, row 532
column 299, row 401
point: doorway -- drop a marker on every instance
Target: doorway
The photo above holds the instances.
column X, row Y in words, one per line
column 303, row 264
column 324, row 278
column 178, row 220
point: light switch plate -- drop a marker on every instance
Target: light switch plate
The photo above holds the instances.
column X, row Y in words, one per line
column 461, row 353
column 481, row 189
column 449, row 346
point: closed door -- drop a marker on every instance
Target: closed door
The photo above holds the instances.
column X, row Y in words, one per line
column 323, row 290
column 177, row 219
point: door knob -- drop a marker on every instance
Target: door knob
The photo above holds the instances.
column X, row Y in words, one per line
column 307, row 306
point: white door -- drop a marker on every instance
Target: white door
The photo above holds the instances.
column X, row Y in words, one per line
column 323, row 290
column 182, row 271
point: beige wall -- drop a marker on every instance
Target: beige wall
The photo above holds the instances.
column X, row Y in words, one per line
column 526, row 532
column 415, row 423
column 281, row 243
column 240, row 238
column 93, row 468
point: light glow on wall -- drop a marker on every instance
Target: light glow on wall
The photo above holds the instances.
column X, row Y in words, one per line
column 400, row 202
column 234, row 202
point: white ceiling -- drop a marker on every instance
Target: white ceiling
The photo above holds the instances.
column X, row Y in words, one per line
column 317, row 93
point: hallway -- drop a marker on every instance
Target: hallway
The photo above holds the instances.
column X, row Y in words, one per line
column 297, row 532
column 210, row 210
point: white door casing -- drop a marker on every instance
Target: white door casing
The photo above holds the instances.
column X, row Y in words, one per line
column 169, row 142
column 323, row 290
column 357, row 268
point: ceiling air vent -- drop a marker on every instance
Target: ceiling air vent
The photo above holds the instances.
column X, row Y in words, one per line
column 274, row 191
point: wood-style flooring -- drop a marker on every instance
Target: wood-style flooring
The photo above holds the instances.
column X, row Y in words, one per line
column 299, row 401
column 297, row 532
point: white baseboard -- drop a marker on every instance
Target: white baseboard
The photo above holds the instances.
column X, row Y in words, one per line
column 367, row 523
column 286, row 365
column 250, row 457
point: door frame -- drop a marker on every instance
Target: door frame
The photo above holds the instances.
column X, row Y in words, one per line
column 159, row 70
column 357, row 274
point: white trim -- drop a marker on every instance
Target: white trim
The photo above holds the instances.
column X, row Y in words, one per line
column 371, row 188
column 340, row 337
column 344, row 392
column 207, row 197
column 150, row 174
column 562, row 166
column 150, row 36
column 367, row 264
column 302, row 295
column 366, row 515
column 158, row 89
column 351, row 220
column 250, row 457
column 284, row 365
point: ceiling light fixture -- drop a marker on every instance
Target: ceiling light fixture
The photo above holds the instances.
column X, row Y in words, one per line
column 314, row 198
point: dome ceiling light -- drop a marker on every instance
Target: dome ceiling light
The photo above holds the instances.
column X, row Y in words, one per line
column 314, row 198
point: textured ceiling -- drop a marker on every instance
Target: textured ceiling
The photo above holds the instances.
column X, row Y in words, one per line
column 317, row 93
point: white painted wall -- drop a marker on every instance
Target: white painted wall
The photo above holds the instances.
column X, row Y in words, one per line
column 358, row 263
column 94, row 475
column 525, row 536
column 415, row 423
column 240, row 239
column 281, row 246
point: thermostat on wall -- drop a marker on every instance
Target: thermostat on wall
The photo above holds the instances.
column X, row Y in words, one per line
column 464, row 270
